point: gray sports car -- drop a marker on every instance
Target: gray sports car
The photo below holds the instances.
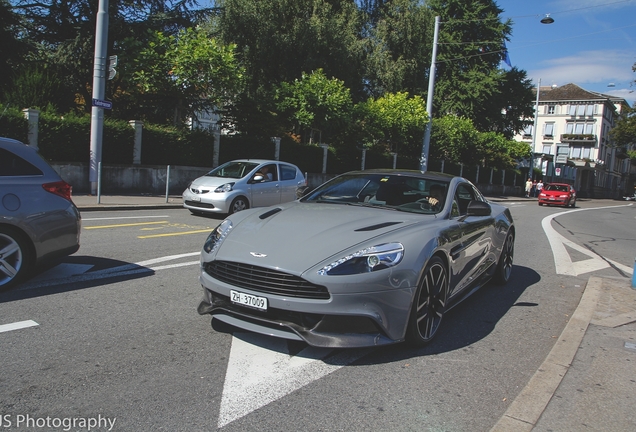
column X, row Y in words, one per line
column 369, row 258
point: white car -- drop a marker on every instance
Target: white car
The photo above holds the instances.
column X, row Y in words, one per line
column 244, row 183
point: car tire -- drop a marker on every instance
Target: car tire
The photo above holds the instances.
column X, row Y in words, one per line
column 504, row 265
column 541, row 204
column 429, row 303
column 14, row 257
column 573, row 204
column 238, row 204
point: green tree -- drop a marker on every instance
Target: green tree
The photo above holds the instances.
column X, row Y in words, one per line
column 393, row 123
column 64, row 33
column 398, row 45
column 469, row 82
column 315, row 102
column 191, row 70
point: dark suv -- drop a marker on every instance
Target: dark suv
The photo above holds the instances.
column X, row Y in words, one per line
column 38, row 220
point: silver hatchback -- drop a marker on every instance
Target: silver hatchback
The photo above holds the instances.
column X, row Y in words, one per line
column 38, row 220
column 244, row 183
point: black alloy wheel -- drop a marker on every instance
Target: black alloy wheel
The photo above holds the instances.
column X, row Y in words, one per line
column 429, row 304
column 504, row 266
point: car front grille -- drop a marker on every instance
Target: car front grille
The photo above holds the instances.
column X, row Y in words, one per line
column 199, row 204
column 265, row 280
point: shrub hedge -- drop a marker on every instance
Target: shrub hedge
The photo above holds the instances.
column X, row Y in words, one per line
column 67, row 139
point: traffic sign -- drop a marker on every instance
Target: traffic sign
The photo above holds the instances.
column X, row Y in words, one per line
column 557, row 171
column 102, row 104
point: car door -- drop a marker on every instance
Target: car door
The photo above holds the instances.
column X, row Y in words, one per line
column 473, row 254
column 290, row 180
column 266, row 192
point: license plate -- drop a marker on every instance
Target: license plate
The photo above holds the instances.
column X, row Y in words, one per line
column 551, row 199
column 248, row 300
column 196, row 198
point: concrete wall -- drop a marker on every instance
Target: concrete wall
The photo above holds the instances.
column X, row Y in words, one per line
column 151, row 179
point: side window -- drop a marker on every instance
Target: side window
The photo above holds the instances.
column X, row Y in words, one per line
column 13, row 165
column 287, row 172
column 464, row 195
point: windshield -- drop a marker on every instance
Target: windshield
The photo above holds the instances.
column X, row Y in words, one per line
column 404, row 193
column 557, row 188
column 233, row 170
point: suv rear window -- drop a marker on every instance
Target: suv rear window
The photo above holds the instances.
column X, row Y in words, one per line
column 14, row 165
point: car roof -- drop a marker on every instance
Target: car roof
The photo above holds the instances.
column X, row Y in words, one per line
column 259, row 161
column 558, row 184
column 430, row 175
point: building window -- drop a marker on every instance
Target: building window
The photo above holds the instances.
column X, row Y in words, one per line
column 589, row 110
column 547, row 149
column 580, row 110
column 551, row 109
column 580, row 152
column 572, row 110
column 527, row 131
column 548, row 129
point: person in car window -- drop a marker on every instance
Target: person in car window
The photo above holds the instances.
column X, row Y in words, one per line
column 264, row 171
column 436, row 196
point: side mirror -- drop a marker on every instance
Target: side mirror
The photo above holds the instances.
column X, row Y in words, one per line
column 478, row 208
column 258, row 178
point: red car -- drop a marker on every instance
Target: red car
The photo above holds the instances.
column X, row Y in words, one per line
column 558, row 194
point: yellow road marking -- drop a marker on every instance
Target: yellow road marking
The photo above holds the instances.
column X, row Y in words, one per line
column 126, row 225
column 174, row 234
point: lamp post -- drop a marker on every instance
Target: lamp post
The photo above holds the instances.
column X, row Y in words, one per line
column 429, row 101
column 534, row 130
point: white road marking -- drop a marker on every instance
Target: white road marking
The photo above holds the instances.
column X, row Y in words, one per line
column 562, row 261
column 260, row 370
column 124, row 217
column 122, row 270
column 18, row 325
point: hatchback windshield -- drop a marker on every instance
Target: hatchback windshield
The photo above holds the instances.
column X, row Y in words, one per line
column 412, row 194
column 232, row 170
column 557, row 188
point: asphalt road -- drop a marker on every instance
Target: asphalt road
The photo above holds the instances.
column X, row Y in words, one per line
column 115, row 337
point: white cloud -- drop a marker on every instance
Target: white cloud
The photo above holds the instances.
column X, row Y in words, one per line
column 588, row 67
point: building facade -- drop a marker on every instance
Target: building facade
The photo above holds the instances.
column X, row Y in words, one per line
column 573, row 145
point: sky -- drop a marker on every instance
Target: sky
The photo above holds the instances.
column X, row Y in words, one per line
column 592, row 43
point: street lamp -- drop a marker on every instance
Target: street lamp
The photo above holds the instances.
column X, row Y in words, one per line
column 534, row 130
column 429, row 101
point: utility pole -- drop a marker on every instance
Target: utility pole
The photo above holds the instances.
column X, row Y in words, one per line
column 99, row 85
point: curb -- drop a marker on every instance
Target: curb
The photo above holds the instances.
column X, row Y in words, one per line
column 524, row 412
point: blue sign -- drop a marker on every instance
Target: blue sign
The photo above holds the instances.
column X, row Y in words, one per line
column 102, row 104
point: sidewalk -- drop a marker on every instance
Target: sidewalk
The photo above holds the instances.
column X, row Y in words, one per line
column 126, row 202
column 587, row 381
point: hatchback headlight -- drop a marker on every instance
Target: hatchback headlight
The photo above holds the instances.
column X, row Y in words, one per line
column 227, row 187
column 366, row 260
column 217, row 236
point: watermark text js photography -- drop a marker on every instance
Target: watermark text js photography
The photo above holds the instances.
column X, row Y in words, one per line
column 26, row 421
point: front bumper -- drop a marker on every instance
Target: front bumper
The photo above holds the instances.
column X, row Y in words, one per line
column 364, row 319
column 554, row 201
column 208, row 202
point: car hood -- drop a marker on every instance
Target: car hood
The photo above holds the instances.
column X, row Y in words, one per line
column 209, row 182
column 302, row 235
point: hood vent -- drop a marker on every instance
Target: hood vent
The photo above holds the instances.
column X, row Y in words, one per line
column 378, row 226
column 270, row 213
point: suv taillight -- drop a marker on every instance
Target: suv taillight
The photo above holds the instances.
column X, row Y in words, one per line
column 60, row 188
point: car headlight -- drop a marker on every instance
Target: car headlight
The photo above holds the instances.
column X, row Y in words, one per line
column 543, row 195
column 227, row 187
column 366, row 260
column 563, row 196
column 217, row 236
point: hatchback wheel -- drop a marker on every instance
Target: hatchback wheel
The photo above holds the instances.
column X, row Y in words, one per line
column 239, row 203
column 429, row 304
column 14, row 258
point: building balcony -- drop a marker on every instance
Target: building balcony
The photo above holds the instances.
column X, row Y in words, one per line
column 578, row 138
